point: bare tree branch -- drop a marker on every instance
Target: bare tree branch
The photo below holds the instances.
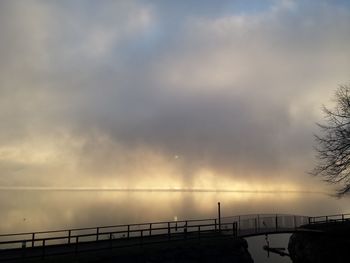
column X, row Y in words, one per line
column 333, row 150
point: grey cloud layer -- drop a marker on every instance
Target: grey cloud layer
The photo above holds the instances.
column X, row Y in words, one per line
column 118, row 82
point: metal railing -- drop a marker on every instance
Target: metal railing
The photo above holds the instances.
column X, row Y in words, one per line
column 259, row 224
column 329, row 218
column 49, row 243
column 67, row 241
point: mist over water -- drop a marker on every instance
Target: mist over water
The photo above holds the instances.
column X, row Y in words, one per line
column 40, row 210
column 35, row 210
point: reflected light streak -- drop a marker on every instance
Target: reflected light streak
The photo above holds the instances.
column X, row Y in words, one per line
column 62, row 209
column 142, row 170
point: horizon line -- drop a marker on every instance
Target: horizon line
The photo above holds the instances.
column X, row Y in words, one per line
column 204, row 190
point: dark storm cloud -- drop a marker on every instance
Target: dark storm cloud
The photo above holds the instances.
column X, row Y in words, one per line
column 231, row 87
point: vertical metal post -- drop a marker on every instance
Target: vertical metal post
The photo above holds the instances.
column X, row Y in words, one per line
column 219, row 216
column 44, row 241
column 168, row 230
column 234, row 229
column 276, row 222
column 110, row 240
column 24, row 245
column 199, row 232
column 342, row 217
column 150, row 229
column 215, row 225
column 33, row 239
column 128, row 234
column 69, row 234
column 239, row 223
column 309, row 218
column 97, row 233
column 76, row 244
column 256, row 226
column 326, row 219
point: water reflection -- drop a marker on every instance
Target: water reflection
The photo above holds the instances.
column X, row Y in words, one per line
column 37, row 210
column 260, row 256
column 34, row 210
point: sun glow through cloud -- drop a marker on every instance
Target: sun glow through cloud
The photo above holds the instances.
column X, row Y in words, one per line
column 167, row 95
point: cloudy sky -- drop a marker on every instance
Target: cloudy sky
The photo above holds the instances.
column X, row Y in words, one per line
column 157, row 94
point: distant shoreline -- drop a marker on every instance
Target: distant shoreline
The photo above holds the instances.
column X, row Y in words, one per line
column 190, row 190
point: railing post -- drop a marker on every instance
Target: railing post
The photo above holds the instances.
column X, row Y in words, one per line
column 168, row 230
column 199, row 232
column 150, row 229
column 76, row 244
column 69, row 234
column 239, row 224
column 258, row 228
column 276, row 222
column 219, row 216
column 24, row 245
column 326, row 219
column 128, row 234
column 215, row 225
column 342, row 217
column 44, row 241
column 33, row 239
column 295, row 222
column 255, row 225
column 97, row 233
column 185, row 229
column 110, row 240
column 309, row 218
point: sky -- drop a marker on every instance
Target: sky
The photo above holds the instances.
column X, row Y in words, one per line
column 167, row 94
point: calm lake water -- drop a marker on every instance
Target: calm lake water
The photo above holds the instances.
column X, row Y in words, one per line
column 37, row 210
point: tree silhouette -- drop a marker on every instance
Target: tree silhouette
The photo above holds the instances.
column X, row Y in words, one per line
column 333, row 146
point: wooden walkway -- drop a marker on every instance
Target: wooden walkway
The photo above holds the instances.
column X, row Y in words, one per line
column 40, row 245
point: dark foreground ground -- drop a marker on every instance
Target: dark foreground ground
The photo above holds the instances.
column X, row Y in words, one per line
column 218, row 248
column 328, row 243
